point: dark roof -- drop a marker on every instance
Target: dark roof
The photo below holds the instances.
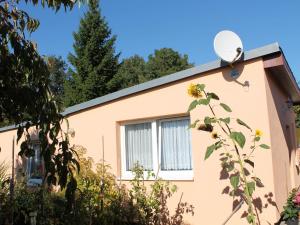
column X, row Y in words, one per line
column 248, row 55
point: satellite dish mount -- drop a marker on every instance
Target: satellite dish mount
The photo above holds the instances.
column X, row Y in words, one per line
column 228, row 46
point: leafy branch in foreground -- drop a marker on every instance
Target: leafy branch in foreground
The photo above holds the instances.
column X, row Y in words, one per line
column 236, row 160
column 25, row 98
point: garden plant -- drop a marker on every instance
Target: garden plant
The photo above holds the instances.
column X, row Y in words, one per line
column 99, row 199
column 291, row 208
column 236, row 160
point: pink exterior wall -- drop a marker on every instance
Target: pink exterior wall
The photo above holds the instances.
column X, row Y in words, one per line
column 252, row 104
column 283, row 140
column 6, row 140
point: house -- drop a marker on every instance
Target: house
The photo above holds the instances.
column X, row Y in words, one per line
column 148, row 123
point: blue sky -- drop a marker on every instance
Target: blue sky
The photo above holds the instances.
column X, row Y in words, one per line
column 187, row 26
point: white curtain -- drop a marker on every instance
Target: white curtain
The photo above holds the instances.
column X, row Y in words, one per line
column 176, row 151
column 139, row 145
column 34, row 163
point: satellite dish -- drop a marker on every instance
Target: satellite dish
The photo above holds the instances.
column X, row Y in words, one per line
column 228, row 46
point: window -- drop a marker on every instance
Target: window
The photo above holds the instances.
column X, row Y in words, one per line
column 34, row 167
column 159, row 145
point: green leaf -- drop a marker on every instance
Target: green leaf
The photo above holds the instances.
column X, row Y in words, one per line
column 207, row 120
column 230, row 166
column 250, row 218
column 251, row 187
column 235, row 180
column 264, row 146
column 200, row 87
column 257, row 138
column 239, row 138
column 225, row 120
column 213, row 96
column 193, row 105
column 249, row 162
column 243, row 123
column 193, row 125
column 204, row 101
column 218, row 144
column 209, row 151
column 225, row 107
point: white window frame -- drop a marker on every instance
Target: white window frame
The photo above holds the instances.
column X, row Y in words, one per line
column 156, row 154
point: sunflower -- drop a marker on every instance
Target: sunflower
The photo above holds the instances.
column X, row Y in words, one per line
column 193, row 91
column 214, row 135
column 258, row 133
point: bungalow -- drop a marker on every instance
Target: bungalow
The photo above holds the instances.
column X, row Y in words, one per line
column 148, row 123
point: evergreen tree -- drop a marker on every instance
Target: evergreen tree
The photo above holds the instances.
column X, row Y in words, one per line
column 131, row 72
column 94, row 58
column 166, row 61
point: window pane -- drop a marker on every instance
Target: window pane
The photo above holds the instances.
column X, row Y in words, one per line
column 34, row 163
column 138, row 139
column 176, row 151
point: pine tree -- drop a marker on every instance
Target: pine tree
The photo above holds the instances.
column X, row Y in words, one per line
column 94, row 58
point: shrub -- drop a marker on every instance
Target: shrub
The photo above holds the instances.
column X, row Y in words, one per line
column 4, row 190
column 99, row 199
column 291, row 207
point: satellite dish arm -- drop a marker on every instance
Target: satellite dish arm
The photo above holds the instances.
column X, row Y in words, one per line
column 238, row 53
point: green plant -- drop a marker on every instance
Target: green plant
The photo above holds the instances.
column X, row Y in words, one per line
column 153, row 202
column 29, row 102
column 236, row 158
column 291, row 208
column 100, row 199
column 4, row 189
column 3, row 174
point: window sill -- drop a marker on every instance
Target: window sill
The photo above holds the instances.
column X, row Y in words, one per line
column 181, row 175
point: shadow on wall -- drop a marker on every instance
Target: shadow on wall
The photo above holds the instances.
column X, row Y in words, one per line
column 233, row 72
column 238, row 198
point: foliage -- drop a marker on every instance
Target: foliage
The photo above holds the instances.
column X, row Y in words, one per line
column 94, row 58
column 104, row 201
column 165, row 61
column 99, row 199
column 4, row 189
column 57, row 68
column 297, row 112
column 3, row 173
column 132, row 71
column 291, row 207
column 25, row 97
column 152, row 204
column 236, row 160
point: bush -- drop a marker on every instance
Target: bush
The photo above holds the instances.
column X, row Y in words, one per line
column 99, row 199
column 4, row 190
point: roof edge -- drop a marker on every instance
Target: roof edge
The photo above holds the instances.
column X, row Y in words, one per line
column 252, row 54
column 248, row 55
column 8, row 128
